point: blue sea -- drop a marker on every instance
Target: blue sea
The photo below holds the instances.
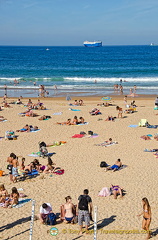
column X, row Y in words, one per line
column 78, row 71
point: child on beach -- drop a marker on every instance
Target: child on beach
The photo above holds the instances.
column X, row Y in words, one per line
column 13, row 199
column 3, row 193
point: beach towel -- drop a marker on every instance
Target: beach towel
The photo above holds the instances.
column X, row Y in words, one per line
column 85, row 123
column 151, row 126
column 105, row 192
column 59, row 172
column 133, row 126
column 73, row 109
column 34, row 172
column 106, row 144
column 57, row 144
column 37, row 154
column 150, row 150
column 35, row 130
column 22, row 202
column 123, row 166
column 78, row 136
column 57, row 113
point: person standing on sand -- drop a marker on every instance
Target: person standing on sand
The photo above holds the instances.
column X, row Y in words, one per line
column 84, row 210
column 120, row 111
column 15, row 169
column 10, row 165
column 146, row 216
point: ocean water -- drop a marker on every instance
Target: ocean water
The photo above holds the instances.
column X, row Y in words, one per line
column 78, row 71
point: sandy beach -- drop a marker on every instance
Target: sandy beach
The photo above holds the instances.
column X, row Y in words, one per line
column 80, row 158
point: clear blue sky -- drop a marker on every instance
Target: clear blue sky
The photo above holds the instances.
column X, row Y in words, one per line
column 70, row 22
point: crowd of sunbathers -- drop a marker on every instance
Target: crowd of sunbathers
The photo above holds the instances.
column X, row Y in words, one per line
column 75, row 121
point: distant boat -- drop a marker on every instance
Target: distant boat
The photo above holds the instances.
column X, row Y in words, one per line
column 153, row 44
column 47, row 49
column 92, row 44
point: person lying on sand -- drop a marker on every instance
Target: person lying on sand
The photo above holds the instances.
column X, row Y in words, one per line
column 27, row 128
column 44, row 117
column 110, row 118
column 6, row 105
column 116, row 166
column 104, row 104
column 145, row 137
column 2, row 119
column 116, row 190
column 68, row 122
column 49, row 167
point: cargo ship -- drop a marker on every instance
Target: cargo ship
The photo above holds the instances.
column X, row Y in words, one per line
column 92, row 44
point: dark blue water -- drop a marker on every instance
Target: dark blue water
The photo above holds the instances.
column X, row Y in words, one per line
column 91, row 71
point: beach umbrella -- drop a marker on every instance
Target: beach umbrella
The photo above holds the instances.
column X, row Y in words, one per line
column 106, row 98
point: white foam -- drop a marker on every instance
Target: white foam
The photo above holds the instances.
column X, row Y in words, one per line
column 144, row 79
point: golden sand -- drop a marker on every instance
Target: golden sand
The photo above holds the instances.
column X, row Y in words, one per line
column 80, row 159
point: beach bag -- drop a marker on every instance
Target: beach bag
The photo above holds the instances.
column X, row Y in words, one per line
column 103, row 164
column 83, row 203
column 51, row 219
column 90, row 133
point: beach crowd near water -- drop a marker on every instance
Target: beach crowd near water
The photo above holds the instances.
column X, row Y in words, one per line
column 72, row 154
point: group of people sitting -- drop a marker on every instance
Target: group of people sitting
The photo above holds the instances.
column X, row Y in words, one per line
column 37, row 106
column 75, row 121
column 77, row 103
column 8, row 200
column 16, row 167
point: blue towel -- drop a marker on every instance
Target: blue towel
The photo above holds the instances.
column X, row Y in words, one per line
column 73, row 109
column 133, row 126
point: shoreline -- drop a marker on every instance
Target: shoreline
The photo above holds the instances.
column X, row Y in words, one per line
column 90, row 98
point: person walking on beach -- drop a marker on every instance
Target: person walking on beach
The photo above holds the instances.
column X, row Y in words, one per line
column 84, row 210
column 5, row 90
column 146, row 216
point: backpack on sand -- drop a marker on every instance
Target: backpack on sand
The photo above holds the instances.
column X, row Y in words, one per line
column 51, row 219
column 103, row 164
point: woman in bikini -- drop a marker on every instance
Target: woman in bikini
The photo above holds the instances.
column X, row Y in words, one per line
column 146, row 216
column 116, row 190
column 3, row 193
column 120, row 111
column 69, row 210
column 13, row 200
